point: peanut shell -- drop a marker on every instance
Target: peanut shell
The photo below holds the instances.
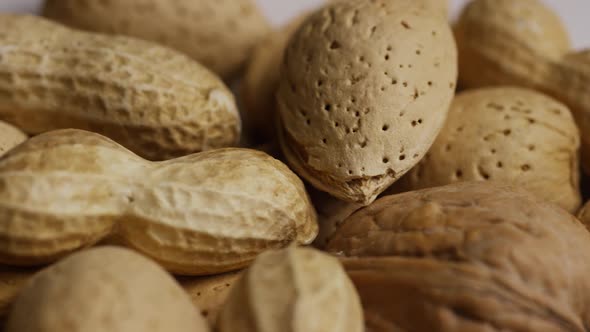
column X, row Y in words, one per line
column 472, row 256
column 202, row 214
column 218, row 34
column 105, row 289
column 152, row 100
column 365, row 89
column 10, row 137
column 291, row 290
column 508, row 134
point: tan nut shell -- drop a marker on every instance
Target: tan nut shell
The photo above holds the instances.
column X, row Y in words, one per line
column 205, row 213
column 293, row 290
column 506, row 134
column 218, row 34
column 365, row 90
column 468, row 257
column 105, row 289
column 10, row 137
column 155, row 101
column 261, row 81
column 506, row 42
column 12, row 280
column 209, row 293
column 584, row 214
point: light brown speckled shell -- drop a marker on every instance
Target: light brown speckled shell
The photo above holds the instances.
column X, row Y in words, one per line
column 365, row 90
column 293, row 290
column 205, row 213
column 506, row 42
column 154, row 101
column 468, row 257
column 209, row 293
column 10, row 136
column 514, row 135
column 104, row 289
column 218, row 33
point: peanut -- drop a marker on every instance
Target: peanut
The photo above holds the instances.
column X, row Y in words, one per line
column 506, row 42
column 472, row 256
column 205, row 213
column 10, row 137
column 154, row 101
column 365, row 89
column 210, row 293
column 514, row 135
column 104, row 289
column 218, row 34
column 293, row 290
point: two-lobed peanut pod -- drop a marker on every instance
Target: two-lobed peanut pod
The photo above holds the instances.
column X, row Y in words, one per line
column 152, row 100
column 201, row 214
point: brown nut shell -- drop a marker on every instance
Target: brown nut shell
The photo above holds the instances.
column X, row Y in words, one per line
column 205, row 213
column 104, row 289
column 10, row 136
column 293, row 290
column 365, row 90
column 152, row 100
column 471, row 256
column 508, row 134
column 218, row 34
column 210, row 293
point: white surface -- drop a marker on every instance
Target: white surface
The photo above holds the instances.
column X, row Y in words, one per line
column 575, row 13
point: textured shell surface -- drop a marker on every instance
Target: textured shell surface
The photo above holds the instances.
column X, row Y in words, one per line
column 365, row 90
column 294, row 289
column 104, row 289
column 10, row 136
column 153, row 100
column 220, row 34
column 508, row 134
column 210, row 293
column 471, row 256
column 205, row 213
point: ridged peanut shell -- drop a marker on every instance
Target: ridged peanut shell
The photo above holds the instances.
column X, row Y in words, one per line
column 205, row 213
column 153, row 100
column 508, row 134
column 365, row 89
column 10, row 136
column 210, row 293
column 471, row 256
column 105, row 289
column 293, row 290
column 218, row 34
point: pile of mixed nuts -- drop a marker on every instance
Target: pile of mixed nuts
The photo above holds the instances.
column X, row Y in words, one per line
column 351, row 189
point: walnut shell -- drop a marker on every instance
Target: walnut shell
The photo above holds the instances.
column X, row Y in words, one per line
column 472, row 256
column 506, row 134
column 365, row 89
column 293, row 290
column 218, row 34
column 104, row 289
